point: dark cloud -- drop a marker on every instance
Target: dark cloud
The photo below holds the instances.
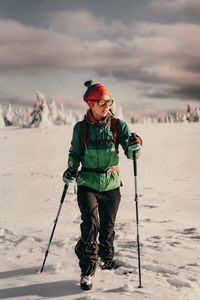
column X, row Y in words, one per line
column 34, row 12
column 177, row 10
column 162, row 58
column 188, row 93
column 162, row 11
column 193, row 66
column 184, row 93
column 160, row 94
column 131, row 74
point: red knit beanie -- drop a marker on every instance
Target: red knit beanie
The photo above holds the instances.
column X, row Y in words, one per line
column 94, row 92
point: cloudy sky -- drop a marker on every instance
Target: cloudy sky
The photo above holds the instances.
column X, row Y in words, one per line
column 147, row 53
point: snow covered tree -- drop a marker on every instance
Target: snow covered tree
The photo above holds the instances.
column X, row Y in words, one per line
column 53, row 113
column 40, row 113
column 8, row 116
column 2, row 123
column 61, row 115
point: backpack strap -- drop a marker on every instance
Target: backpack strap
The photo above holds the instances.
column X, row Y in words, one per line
column 85, row 134
column 114, row 129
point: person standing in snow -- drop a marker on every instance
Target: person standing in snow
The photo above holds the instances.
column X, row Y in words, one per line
column 98, row 181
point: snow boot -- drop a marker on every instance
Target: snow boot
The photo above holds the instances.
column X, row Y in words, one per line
column 86, row 282
column 106, row 257
column 112, row 265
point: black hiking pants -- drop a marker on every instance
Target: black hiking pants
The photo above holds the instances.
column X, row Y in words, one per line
column 98, row 214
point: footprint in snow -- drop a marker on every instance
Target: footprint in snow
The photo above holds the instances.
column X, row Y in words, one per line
column 174, row 244
column 150, row 206
column 193, row 265
column 36, row 239
column 148, row 220
column 195, row 237
column 77, row 220
column 192, row 233
column 178, row 283
column 189, row 230
column 160, row 270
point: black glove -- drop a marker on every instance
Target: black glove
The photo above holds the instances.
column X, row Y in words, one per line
column 134, row 142
column 69, row 175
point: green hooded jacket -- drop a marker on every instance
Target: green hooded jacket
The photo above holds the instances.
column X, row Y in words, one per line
column 98, row 155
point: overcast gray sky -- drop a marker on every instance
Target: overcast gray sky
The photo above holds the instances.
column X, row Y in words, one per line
column 147, row 53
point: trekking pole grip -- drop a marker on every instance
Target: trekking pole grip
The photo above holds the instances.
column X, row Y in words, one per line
column 134, row 163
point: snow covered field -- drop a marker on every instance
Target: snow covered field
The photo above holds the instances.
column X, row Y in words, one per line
column 32, row 163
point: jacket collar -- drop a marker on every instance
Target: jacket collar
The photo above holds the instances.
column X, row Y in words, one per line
column 90, row 118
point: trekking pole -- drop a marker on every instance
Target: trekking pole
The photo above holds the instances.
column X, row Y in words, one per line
column 54, row 227
column 137, row 217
